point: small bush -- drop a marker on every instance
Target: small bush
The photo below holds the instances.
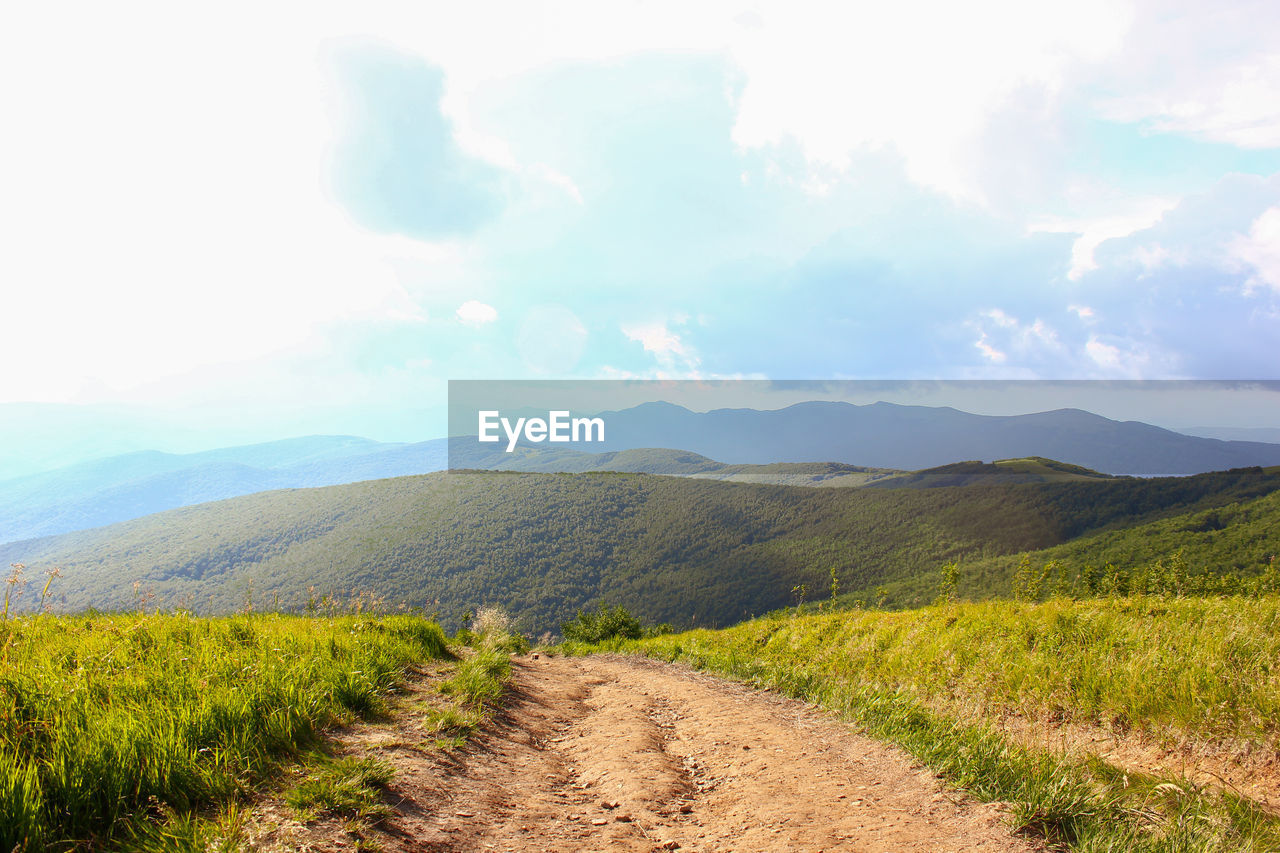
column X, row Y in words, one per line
column 604, row 624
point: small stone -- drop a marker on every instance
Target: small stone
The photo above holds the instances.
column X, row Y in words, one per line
column 685, row 808
column 464, row 814
column 598, row 821
column 535, row 655
column 610, row 804
column 744, row 746
column 622, row 818
column 669, row 844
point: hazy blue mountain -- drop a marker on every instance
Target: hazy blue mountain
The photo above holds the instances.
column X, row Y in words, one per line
column 833, row 444
column 1267, row 434
column 118, row 488
column 43, row 436
column 886, row 435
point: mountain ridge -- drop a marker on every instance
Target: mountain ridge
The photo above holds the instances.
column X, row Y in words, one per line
column 874, row 438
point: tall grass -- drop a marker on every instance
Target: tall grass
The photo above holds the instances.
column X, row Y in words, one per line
column 109, row 723
column 1206, row 666
column 1203, row 667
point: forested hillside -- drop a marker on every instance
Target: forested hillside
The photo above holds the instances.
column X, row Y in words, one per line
column 541, row 545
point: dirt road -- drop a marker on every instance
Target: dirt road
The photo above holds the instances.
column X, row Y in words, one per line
column 612, row 753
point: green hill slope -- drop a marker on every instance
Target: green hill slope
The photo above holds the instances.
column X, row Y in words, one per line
column 670, row 549
column 681, row 463
column 1241, row 539
column 1031, row 469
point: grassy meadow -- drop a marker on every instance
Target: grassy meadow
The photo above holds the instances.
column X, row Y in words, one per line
column 1204, row 666
column 934, row 680
column 116, row 729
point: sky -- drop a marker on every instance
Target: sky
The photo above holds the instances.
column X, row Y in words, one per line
column 248, row 221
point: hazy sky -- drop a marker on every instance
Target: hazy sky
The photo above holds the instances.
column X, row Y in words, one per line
column 294, row 218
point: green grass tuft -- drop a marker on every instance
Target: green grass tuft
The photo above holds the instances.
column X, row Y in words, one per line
column 345, row 788
column 119, row 726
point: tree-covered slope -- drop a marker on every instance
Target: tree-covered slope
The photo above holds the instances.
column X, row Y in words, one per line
column 1241, row 538
column 671, row 549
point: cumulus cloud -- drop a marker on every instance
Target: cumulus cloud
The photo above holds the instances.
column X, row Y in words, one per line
column 1259, row 250
column 1002, row 335
column 1154, row 256
column 1230, row 230
column 1141, row 214
column 192, row 229
column 989, row 352
column 673, row 354
column 1206, row 71
column 1119, row 358
column 397, row 166
column 933, row 89
column 475, row 313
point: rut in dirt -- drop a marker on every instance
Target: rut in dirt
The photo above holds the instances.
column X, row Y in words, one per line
column 613, row 753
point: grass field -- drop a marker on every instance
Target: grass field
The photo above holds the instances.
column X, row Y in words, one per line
column 931, row 680
column 1199, row 666
column 116, row 729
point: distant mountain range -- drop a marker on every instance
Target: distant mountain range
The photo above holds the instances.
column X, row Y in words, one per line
column 809, row 444
column 1267, row 434
column 887, row 435
column 118, row 488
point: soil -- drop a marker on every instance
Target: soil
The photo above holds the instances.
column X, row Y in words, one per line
column 617, row 753
column 1247, row 769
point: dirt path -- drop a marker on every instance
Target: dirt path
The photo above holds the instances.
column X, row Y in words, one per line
column 610, row 753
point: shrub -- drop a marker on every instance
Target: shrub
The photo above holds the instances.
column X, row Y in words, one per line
column 604, row 624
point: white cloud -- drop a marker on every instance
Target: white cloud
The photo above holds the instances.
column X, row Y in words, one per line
column 1155, row 256
column 838, row 80
column 1204, row 70
column 475, row 313
column 1138, row 215
column 1122, row 359
column 1084, row 312
column 920, row 77
column 164, row 209
column 1000, row 318
column 1260, row 250
column 989, row 352
column 1002, row 336
column 667, row 347
column 1104, row 355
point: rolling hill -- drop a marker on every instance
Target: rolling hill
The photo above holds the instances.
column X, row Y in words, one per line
column 681, row 463
column 682, row 550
